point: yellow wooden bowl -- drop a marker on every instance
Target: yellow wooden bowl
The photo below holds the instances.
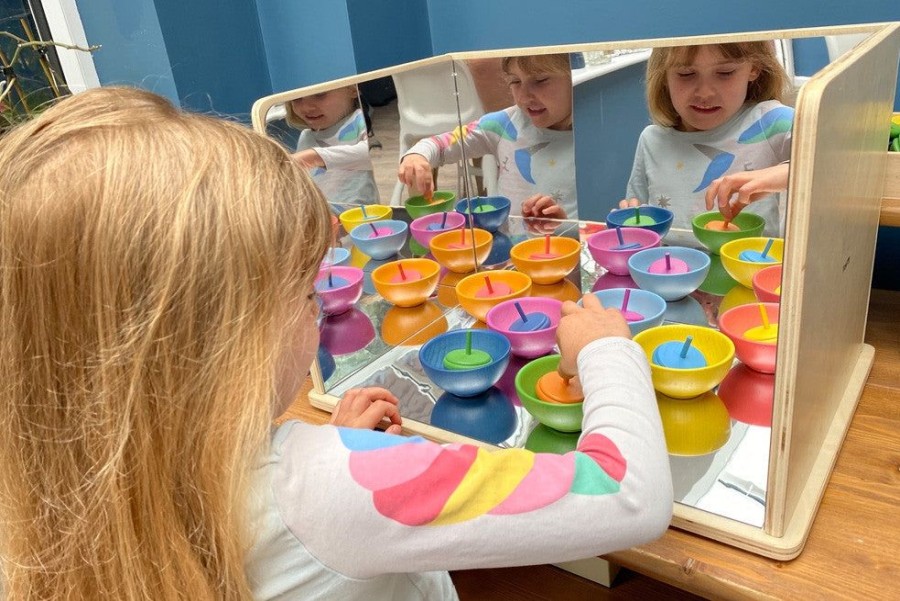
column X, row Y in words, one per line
column 743, row 271
column 715, row 346
column 354, row 217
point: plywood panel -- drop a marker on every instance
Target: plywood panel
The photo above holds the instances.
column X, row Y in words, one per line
column 837, row 179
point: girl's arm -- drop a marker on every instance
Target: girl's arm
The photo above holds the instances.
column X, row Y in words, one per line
column 436, row 151
column 366, row 503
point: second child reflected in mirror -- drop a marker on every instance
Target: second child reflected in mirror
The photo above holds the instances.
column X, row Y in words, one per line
column 721, row 136
column 532, row 141
column 333, row 145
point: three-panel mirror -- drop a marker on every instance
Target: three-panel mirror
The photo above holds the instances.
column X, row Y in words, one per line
column 567, row 131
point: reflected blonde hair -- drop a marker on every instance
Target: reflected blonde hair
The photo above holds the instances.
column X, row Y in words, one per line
column 771, row 84
column 538, row 63
column 151, row 262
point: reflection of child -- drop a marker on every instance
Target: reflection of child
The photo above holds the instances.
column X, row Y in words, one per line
column 722, row 137
column 532, row 141
column 154, row 322
column 334, row 145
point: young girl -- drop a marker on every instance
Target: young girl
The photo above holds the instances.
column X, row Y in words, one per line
column 157, row 315
column 722, row 137
column 532, row 141
column 334, row 146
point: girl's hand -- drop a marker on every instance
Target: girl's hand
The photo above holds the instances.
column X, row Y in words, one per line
column 367, row 408
column 580, row 326
column 628, row 203
column 415, row 172
column 309, row 158
column 731, row 193
column 541, row 205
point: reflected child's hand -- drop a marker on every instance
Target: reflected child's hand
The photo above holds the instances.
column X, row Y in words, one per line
column 731, row 193
column 415, row 171
column 367, row 408
column 628, row 203
column 541, row 205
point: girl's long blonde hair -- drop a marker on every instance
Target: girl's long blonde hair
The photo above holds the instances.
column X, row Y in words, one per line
column 771, row 84
column 151, row 262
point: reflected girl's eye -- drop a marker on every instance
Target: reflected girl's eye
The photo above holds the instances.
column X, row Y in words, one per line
column 727, row 73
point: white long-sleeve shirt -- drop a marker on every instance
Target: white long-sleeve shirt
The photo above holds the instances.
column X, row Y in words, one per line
column 348, row 175
column 357, row 514
column 531, row 160
column 672, row 169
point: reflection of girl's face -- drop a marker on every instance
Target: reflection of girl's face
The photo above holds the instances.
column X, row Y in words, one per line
column 321, row 111
column 545, row 97
column 710, row 90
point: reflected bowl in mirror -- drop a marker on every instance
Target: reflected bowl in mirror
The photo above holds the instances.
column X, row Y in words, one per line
column 441, row 201
column 346, row 333
column 695, row 426
column 488, row 212
column 489, row 416
column 355, row 216
column 646, row 309
column 749, row 225
column 380, row 240
column 647, row 268
column 335, row 256
column 478, row 295
column 506, row 319
column 547, row 440
column 743, row 270
column 454, row 250
column 657, row 219
column 604, row 247
column 546, row 260
column 562, row 291
column 342, row 291
column 406, row 282
column 738, row 295
column 754, row 353
column 715, row 347
column 465, row 382
column 717, row 281
column 611, row 280
column 411, row 326
column 767, row 284
column 748, row 395
column 565, row 417
column 424, row 228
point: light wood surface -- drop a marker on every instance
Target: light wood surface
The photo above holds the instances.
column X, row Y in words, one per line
column 851, row 552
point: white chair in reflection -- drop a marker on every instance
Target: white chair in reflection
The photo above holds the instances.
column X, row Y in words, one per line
column 838, row 45
column 427, row 104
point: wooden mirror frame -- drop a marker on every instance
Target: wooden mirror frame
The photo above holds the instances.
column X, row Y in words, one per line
column 837, row 181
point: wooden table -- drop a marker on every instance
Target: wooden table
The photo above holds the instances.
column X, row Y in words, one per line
column 853, row 551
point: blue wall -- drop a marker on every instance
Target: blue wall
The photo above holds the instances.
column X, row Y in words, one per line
column 384, row 36
column 133, row 51
column 216, row 53
column 474, row 23
column 610, row 113
column 306, row 42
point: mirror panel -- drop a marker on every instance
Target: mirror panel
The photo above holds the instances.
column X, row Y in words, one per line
column 729, row 480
